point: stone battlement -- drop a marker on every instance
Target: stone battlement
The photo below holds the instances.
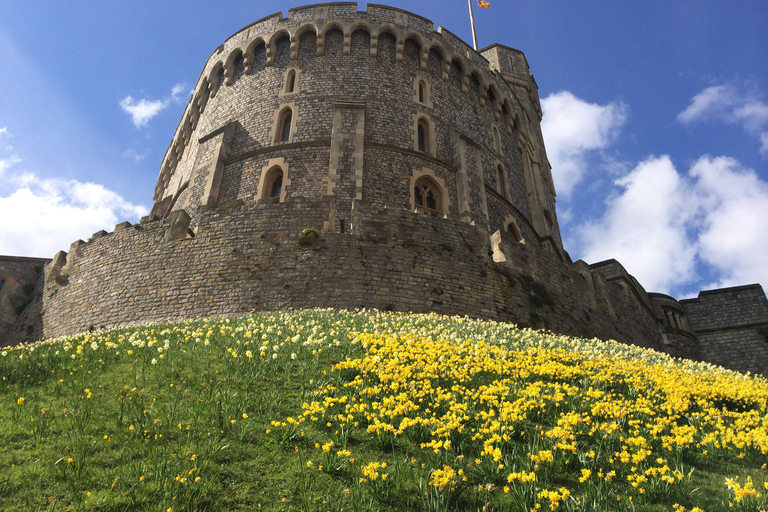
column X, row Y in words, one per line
column 419, row 166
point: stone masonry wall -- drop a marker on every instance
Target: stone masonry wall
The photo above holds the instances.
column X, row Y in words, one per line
column 18, row 281
column 373, row 58
column 247, row 257
column 732, row 327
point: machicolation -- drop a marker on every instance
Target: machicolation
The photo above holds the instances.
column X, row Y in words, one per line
column 418, row 166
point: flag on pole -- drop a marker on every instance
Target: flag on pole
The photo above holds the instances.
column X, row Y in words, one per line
column 483, row 4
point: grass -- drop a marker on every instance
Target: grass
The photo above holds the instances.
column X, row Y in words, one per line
column 332, row 410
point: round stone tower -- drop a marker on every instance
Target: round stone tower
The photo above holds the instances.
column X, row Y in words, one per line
column 364, row 105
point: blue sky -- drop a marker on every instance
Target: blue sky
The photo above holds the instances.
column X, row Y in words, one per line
column 655, row 120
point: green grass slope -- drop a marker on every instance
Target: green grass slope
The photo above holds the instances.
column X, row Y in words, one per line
column 339, row 411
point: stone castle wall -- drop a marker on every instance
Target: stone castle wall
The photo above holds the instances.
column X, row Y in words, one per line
column 18, row 280
column 732, row 326
column 356, row 105
column 247, row 257
column 379, row 104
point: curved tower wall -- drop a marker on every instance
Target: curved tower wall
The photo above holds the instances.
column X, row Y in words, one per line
column 362, row 83
column 384, row 111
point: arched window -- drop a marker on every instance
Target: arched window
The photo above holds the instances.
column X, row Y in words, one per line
column 427, row 197
column 290, row 81
column 502, row 186
column 284, row 126
column 220, row 78
column 273, row 184
column 513, row 232
column 423, row 136
column 422, row 91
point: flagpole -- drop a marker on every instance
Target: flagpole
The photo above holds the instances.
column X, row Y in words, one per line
column 472, row 18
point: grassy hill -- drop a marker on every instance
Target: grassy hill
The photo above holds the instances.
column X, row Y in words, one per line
column 331, row 410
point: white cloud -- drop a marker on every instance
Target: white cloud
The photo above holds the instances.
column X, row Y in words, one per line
column 734, row 231
column 644, row 227
column 573, row 129
column 6, row 163
column 49, row 214
column 135, row 155
column 728, row 103
column 143, row 110
column 4, row 132
column 712, row 101
column 177, row 91
column 661, row 223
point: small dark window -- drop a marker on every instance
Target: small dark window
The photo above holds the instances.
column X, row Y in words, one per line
column 273, row 184
column 421, row 91
column 513, row 232
column 290, row 83
column 285, row 129
column 277, row 186
column 2, row 282
column 422, row 136
column 502, row 190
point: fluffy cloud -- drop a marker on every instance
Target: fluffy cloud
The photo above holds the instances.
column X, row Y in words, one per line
column 733, row 235
column 661, row 224
column 4, row 132
column 729, row 104
column 572, row 130
column 6, row 163
column 49, row 214
column 141, row 111
column 644, row 227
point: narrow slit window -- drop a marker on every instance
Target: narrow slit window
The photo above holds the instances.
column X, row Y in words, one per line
column 422, row 136
column 285, row 126
column 502, row 190
column 290, row 82
column 421, row 91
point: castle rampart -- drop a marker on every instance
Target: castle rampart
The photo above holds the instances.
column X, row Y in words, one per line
column 419, row 166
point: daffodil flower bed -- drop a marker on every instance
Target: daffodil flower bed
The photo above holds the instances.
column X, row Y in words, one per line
column 334, row 410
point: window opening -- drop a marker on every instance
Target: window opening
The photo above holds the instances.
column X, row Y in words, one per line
column 321, row 14
column 2, row 282
column 285, row 131
column 421, row 91
column 512, row 230
column 291, row 82
column 341, row 226
column 426, row 197
column 274, row 184
column 277, row 186
column 500, row 179
column 422, row 136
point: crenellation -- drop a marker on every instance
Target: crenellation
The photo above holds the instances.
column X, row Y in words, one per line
column 420, row 163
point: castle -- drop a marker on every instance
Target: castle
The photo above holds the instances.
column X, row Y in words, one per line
column 345, row 158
